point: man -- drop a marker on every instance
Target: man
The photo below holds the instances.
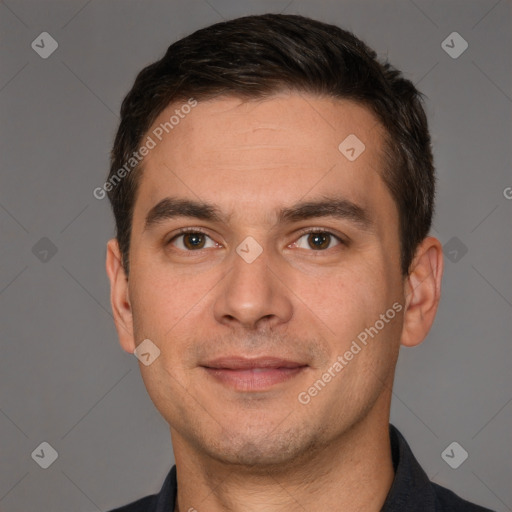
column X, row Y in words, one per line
column 273, row 185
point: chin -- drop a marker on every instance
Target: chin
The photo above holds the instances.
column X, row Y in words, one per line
column 261, row 451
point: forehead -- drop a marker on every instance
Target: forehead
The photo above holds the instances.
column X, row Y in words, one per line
column 264, row 152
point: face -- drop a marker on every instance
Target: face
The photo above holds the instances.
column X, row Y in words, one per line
column 260, row 255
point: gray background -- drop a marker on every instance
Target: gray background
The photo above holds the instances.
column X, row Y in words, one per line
column 64, row 378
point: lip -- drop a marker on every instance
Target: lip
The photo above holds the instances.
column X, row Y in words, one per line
column 256, row 374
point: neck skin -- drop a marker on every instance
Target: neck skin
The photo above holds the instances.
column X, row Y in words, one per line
column 353, row 473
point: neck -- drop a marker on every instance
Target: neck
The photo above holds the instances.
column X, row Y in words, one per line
column 353, row 473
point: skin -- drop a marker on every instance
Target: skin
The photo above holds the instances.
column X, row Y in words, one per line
column 242, row 450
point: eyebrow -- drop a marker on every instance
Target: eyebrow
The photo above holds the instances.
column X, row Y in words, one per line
column 340, row 208
column 336, row 207
column 171, row 207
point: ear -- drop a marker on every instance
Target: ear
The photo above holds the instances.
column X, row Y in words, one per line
column 422, row 291
column 119, row 296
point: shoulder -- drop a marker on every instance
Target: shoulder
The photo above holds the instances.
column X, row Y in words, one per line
column 450, row 502
column 413, row 490
column 141, row 505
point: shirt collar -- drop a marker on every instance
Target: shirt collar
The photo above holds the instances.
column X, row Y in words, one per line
column 411, row 488
column 166, row 498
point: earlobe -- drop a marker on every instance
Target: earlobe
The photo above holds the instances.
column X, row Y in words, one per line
column 422, row 291
column 119, row 296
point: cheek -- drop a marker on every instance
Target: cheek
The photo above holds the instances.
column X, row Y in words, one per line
column 172, row 310
column 160, row 300
column 343, row 301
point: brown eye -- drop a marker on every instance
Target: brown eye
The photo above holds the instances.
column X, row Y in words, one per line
column 192, row 241
column 319, row 240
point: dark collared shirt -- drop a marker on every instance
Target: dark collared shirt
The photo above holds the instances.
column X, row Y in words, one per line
column 411, row 490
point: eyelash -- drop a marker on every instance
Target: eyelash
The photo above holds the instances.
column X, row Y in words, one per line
column 184, row 231
column 308, row 231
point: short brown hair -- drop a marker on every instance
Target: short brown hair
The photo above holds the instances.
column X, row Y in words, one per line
column 258, row 56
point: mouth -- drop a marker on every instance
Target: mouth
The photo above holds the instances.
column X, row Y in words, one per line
column 259, row 374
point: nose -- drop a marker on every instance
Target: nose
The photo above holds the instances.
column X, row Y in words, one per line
column 253, row 295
